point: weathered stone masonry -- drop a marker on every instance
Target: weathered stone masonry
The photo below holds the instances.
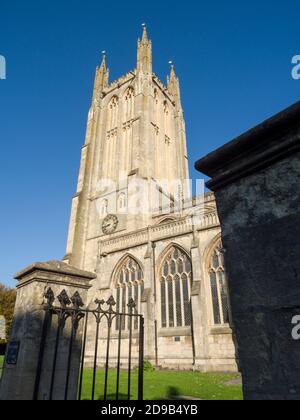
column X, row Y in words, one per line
column 256, row 181
column 170, row 261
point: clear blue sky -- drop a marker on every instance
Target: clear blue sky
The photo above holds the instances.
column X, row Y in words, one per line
column 233, row 59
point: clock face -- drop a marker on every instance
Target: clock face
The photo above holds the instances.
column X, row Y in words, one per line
column 110, row 224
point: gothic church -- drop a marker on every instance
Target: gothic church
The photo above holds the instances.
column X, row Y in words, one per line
column 134, row 223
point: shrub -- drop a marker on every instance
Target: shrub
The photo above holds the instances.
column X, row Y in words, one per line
column 148, row 366
column 7, row 304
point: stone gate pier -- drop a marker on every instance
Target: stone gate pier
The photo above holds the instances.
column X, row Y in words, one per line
column 256, row 180
column 24, row 377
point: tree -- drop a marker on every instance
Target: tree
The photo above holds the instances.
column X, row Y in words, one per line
column 7, row 305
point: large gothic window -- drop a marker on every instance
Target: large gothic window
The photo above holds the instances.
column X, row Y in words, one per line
column 129, row 285
column 175, row 289
column 218, row 285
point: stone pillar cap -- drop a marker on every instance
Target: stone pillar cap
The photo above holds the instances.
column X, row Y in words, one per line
column 57, row 267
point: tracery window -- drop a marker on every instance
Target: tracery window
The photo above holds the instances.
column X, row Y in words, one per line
column 113, row 109
column 218, row 285
column 129, row 104
column 175, row 289
column 129, row 285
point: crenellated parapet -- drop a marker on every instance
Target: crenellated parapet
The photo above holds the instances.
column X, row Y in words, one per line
column 116, row 84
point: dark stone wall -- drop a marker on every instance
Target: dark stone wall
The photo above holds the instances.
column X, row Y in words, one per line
column 260, row 218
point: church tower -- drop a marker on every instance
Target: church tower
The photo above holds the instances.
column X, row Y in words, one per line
column 129, row 225
column 134, row 160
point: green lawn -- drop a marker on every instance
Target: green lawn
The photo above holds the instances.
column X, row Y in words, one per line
column 1, row 364
column 161, row 384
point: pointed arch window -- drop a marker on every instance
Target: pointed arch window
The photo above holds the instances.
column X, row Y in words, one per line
column 129, row 285
column 175, row 289
column 129, row 104
column 122, row 202
column 113, row 109
column 218, row 285
column 156, row 97
column 167, row 122
column 104, row 208
column 166, row 115
column 156, row 111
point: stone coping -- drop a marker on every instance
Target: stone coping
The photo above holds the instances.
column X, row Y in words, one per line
column 269, row 142
column 57, row 267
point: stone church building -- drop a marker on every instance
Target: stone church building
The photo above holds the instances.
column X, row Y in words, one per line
column 134, row 223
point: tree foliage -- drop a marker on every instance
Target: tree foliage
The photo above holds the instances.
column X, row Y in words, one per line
column 7, row 305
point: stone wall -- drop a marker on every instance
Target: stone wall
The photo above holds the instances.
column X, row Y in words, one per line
column 205, row 348
column 256, row 180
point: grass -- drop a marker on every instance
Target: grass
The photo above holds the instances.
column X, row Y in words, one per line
column 160, row 385
column 1, row 364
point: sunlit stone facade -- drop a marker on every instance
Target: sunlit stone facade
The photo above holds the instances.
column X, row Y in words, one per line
column 134, row 223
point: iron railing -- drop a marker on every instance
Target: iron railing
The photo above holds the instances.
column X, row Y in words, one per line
column 72, row 309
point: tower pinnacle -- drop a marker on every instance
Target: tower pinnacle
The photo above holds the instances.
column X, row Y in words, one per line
column 102, row 75
column 173, row 85
column 145, row 34
column 172, row 75
column 144, row 59
column 103, row 64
